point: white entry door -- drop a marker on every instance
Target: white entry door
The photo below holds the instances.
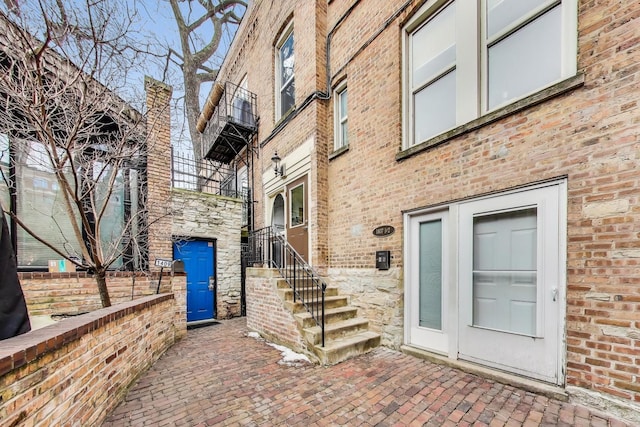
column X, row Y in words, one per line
column 427, row 295
column 510, row 283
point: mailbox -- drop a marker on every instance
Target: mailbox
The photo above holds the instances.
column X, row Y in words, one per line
column 383, row 260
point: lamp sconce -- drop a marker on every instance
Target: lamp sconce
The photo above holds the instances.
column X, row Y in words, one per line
column 278, row 167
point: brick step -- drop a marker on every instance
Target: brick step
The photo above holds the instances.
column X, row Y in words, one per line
column 331, row 315
column 286, row 294
column 329, row 303
column 336, row 330
column 336, row 351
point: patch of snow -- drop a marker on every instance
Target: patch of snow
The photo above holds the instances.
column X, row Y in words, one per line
column 289, row 357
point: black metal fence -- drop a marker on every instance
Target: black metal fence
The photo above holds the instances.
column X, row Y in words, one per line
column 268, row 246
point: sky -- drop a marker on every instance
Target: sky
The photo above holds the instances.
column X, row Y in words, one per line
column 154, row 26
column 158, row 22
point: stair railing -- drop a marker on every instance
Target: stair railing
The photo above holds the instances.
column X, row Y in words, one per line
column 268, row 246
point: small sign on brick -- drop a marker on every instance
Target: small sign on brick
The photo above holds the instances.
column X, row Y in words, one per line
column 163, row 263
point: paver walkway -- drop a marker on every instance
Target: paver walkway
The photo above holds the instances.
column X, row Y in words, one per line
column 218, row 375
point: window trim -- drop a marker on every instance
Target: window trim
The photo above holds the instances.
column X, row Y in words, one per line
column 288, row 32
column 472, row 86
column 340, row 120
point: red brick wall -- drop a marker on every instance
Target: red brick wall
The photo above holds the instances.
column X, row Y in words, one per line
column 76, row 371
column 266, row 313
column 588, row 136
column 159, row 170
column 77, row 293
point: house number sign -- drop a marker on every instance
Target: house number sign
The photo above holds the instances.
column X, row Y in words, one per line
column 383, row 231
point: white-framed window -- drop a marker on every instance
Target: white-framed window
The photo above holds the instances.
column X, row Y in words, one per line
column 285, row 76
column 341, row 137
column 464, row 59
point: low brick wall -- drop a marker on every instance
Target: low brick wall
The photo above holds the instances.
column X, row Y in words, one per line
column 77, row 293
column 266, row 313
column 76, row 371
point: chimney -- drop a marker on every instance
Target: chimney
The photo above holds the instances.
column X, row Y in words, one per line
column 158, row 169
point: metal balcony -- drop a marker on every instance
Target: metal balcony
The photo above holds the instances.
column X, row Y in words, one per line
column 233, row 123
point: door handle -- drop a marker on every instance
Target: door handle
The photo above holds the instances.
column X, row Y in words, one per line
column 212, row 283
column 554, row 293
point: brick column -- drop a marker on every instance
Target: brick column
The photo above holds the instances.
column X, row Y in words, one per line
column 158, row 169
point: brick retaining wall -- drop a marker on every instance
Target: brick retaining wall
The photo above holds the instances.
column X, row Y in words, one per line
column 76, row 371
column 77, row 293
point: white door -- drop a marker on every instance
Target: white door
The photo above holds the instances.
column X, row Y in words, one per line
column 427, row 293
column 510, row 282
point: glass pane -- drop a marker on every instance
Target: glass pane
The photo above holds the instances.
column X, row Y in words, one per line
column 41, row 206
column 286, row 60
column 4, row 171
column 287, row 97
column 297, row 206
column 435, row 108
column 433, row 49
column 501, row 14
column 343, row 104
column 431, row 274
column 527, row 60
column 112, row 223
column 505, row 271
column 344, row 139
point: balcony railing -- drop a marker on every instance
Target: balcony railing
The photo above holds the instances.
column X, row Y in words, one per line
column 210, row 177
column 268, row 246
column 233, row 124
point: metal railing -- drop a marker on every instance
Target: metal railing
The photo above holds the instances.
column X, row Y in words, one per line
column 268, row 246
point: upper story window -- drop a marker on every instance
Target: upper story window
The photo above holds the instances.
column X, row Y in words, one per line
column 341, row 138
column 465, row 59
column 285, row 77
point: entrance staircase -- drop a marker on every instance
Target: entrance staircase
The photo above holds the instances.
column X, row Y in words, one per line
column 327, row 322
column 346, row 335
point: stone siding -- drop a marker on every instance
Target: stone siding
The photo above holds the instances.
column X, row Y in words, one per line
column 200, row 215
column 76, row 371
column 378, row 296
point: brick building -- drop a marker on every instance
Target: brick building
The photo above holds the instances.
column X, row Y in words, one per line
column 491, row 147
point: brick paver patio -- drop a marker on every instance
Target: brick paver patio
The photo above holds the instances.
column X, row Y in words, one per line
column 218, row 375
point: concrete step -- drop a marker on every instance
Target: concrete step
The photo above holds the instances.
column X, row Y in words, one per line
column 336, row 351
column 336, row 330
column 329, row 303
column 286, row 293
column 331, row 315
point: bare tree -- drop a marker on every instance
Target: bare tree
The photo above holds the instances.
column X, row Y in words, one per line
column 201, row 32
column 63, row 123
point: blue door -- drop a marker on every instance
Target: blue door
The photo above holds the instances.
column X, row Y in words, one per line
column 199, row 262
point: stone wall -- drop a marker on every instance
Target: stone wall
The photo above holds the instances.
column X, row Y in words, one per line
column 76, row 371
column 200, row 215
column 378, row 295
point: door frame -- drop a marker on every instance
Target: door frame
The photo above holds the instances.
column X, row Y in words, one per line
column 178, row 238
column 453, row 303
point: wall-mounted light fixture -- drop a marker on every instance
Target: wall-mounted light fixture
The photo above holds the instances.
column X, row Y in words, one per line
column 278, row 168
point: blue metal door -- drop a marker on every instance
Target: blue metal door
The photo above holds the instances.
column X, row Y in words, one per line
column 199, row 264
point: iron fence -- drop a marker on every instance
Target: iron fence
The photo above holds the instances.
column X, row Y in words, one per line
column 268, row 246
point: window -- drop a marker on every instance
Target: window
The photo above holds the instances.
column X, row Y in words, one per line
column 463, row 60
column 297, row 206
column 341, row 138
column 285, row 77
